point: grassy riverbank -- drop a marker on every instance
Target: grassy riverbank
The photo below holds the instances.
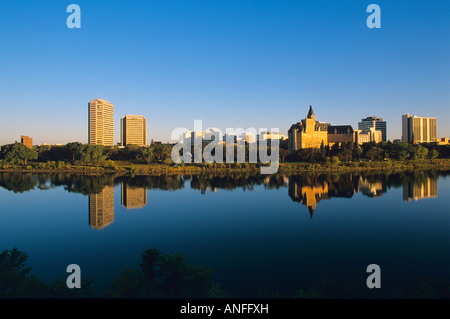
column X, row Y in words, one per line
column 161, row 168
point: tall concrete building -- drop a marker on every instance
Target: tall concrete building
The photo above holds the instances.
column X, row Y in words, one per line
column 101, row 122
column 374, row 122
column 133, row 130
column 417, row 129
column 27, row 141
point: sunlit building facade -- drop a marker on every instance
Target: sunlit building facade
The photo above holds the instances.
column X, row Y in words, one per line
column 101, row 122
column 376, row 123
column 307, row 133
column 27, row 141
column 372, row 135
column 133, row 130
column 417, row 129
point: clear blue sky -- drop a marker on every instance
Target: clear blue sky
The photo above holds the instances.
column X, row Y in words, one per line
column 230, row 63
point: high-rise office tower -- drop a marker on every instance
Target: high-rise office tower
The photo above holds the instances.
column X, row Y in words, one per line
column 374, row 122
column 133, row 130
column 101, row 122
column 417, row 129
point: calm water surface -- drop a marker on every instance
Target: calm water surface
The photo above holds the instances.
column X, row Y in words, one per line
column 259, row 235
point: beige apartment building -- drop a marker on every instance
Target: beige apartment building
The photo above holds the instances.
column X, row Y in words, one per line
column 101, row 122
column 417, row 129
column 133, row 130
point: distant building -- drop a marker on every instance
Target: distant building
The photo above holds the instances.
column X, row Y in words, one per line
column 230, row 137
column 307, row 133
column 101, row 208
column 371, row 135
column 417, row 129
column 340, row 134
column 101, row 122
column 269, row 136
column 311, row 133
column 443, row 141
column 376, row 123
column 201, row 136
column 27, row 141
column 133, row 130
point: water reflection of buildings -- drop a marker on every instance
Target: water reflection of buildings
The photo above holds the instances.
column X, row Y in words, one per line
column 308, row 195
column 371, row 188
column 101, row 208
column 426, row 188
column 133, row 197
column 311, row 190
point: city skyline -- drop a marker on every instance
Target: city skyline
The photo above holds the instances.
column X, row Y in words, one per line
column 139, row 132
column 233, row 64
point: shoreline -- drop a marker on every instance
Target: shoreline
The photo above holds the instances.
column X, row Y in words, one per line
column 166, row 169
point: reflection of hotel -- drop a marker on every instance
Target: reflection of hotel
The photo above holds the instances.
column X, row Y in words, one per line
column 133, row 197
column 420, row 190
column 308, row 195
column 101, row 208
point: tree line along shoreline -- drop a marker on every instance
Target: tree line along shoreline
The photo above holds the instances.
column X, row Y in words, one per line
column 156, row 159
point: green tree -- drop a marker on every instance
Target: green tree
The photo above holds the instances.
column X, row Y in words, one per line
column 420, row 153
column 161, row 275
column 75, row 150
column 17, row 153
column 434, row 154
column 15, row 277
column 357, row 151
column 147, row 154
column 162, row 153
column 334, row 160
column 92, row 154
column 374, row 153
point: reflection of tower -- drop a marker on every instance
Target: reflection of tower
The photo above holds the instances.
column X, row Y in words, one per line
column 101, row 208
column 370, row 188
column 308, row 195
column 420, row 189
column 133, row 197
